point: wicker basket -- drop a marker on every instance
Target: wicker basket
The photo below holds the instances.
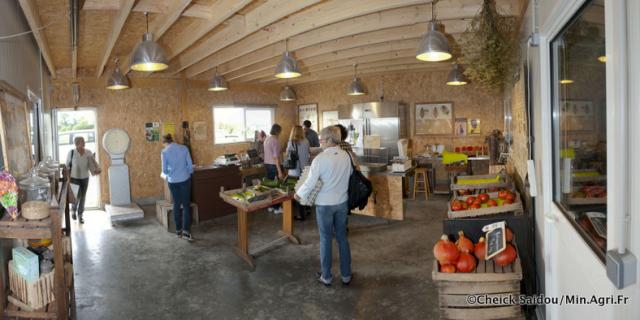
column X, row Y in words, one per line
column 35, row 295
column 35, row 210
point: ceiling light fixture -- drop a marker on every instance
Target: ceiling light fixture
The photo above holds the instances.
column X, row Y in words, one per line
column 117, row 81
column 287, row 67
column 434, row 45
column 287, row 94
column 148, row 56
column 218, row 83
column 355, row 87
column 456, row 77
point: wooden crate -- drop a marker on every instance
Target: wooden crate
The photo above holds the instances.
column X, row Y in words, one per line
column 34, row 295
column 488, row 279
column 504, row 182
column 515, row 207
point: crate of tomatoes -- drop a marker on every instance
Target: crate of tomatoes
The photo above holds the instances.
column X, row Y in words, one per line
column 463, row 274
column 497, row 201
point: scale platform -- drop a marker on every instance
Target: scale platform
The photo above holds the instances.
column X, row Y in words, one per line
column 122, row 213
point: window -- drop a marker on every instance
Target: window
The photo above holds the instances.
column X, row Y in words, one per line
column 234, row 124
column 579, row 124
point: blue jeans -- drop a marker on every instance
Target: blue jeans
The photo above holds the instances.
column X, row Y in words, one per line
column 272, row 173
column 83, row 185
column 181, row 193
column 330, row 219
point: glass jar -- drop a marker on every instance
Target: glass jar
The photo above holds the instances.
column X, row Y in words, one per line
column 34, row 188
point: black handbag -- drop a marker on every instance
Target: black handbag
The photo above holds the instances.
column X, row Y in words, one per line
column 292, row 158
column 360, row 188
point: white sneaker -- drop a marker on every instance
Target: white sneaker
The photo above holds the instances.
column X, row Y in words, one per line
column 270, row 209
column 277, row 211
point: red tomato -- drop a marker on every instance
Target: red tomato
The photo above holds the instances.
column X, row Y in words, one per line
column 506, row 202
column 492, row 203
column 502, row 194
column 484, row 197
column 457, row 149
column 456, row 206
column 476, row 206
column 478, row 201
column 470, row 200
column 511, row 197
column 465, row 206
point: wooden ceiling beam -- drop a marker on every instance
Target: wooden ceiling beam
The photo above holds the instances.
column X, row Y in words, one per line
column 116, row 28
column 452, row 14
column 30, row 9
column 220, row 11
column 323, row 14
column 262, row 16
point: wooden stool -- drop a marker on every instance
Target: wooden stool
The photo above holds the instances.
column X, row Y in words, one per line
column 164, row 210
column 421, row 179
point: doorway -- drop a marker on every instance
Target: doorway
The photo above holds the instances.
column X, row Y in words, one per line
column 72, row 123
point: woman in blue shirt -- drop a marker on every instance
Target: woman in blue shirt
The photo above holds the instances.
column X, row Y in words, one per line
column 177, row 168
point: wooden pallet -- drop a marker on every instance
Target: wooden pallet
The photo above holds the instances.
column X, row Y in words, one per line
column 488, row 279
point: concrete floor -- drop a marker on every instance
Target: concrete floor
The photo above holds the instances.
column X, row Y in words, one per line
column 140, row 271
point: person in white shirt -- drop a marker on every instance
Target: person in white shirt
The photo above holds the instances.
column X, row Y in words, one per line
column 81, row 162
column 333, row 167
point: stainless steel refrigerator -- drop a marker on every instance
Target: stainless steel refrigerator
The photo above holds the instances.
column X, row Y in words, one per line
column 385, row 121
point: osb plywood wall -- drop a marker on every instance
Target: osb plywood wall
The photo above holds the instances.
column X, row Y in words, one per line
column 517, row 163
column 469, row 102
column 152, row 100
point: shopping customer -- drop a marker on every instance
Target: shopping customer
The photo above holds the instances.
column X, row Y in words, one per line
column 310, row 134
column 273, row 159
column 333, row 167
column 81, row 163
column 177, row 168
column 298, row 146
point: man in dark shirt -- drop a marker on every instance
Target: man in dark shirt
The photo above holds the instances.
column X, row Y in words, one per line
column 310, row 134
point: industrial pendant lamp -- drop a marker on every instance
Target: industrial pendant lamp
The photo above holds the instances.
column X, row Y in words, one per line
column 148, row 55
column 217, row 83
column 117, row 81
column 355, row 87
column 287, row 67
column 287, row 94
column 456, row 77
column 434, row 45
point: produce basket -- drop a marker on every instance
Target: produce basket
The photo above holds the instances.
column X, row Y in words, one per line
column 501, row 207
column 477, row 183
column 253, row 198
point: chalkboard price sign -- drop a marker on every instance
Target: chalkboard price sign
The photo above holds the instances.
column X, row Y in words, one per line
column 496, row 239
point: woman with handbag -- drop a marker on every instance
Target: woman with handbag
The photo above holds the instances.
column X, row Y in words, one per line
column 298, row 154
column 81, row 162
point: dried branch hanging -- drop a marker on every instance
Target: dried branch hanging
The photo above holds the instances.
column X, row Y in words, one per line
column 488, row 48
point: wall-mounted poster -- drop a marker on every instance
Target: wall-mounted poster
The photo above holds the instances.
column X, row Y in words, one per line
column 169, row 128
column 199, row 130
column 461, row 127
column 152, row 131
column 329, row 118
column 434, row 118
column 578, row 115
column 308, row 112
column 473, row 126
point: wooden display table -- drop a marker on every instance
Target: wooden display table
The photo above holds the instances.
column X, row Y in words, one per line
column 243, row 210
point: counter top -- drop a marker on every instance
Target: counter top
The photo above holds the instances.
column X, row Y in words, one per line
column 389, row 172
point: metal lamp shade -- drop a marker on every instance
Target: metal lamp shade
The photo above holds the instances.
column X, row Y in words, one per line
column 287, row 67
column 117, row 81
column 287, row 94
column 355, row 88
column 434, row 46
column 217, row 83
column 456, row 77
column 149, row 56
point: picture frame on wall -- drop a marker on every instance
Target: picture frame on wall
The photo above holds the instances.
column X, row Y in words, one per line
column 329, row 118
column 461, row 127
column 308, row 112
column 579, row 115
column 473, row 127
column 434, row 118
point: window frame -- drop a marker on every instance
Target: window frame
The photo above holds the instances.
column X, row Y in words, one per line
column 244, row 107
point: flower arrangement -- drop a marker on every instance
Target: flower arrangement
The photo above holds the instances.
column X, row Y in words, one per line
column 9, row 193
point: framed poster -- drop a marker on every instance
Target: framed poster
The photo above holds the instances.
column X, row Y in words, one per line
column 14, row 130
column 578, row 115
column 434, row 118
column 461, row 127
column 473, row 127
column 152, row 131
column 308, row 112
column 329, row 118
column 199, row 130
